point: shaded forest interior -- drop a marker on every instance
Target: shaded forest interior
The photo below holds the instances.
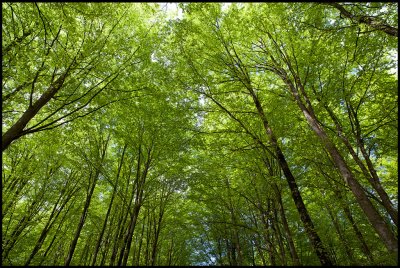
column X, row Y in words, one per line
column 148, row 134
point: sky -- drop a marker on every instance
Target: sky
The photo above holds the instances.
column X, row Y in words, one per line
column 174, row 11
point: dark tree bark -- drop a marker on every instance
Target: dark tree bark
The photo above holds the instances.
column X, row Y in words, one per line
column 292, row 248
column 371, row 21
column 17, row 130
column 97, row 248
column 370, row 211
column 140, row 183
column 82, row 220
column 304, row 215
column 53, row 216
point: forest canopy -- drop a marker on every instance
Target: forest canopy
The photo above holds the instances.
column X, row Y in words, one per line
column 152, row 134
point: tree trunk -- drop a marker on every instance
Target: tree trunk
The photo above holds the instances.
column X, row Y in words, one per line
column 97, row 248
column 17, row 130
column 372, row 214
column 141, row 179
column 370, row 174
column 342, row 237
column 81, row 222
column 86, row 206
column 52, row 218
column 298, row 200
column 293, row 252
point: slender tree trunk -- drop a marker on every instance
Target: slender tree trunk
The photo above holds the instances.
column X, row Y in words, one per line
column 292, row 248
column 52, row 218
column 372, row 214
column 107, row 244
column 260, row 251
column 257, row 240
column 141, row 179
column 342, row 237
column 371, row 173
column 140, row 244
column 81, row 222
column 62, row 220
column 45, row 231
column 278, row 235
column 9, row 243
column 157, row 230
column 304, row 216
column 170, row 252
column 118, row 235
column 265, row 218
column 17, row 130
column 346, row 209
column 375, row 181
column 86, row 206
column 97, row 248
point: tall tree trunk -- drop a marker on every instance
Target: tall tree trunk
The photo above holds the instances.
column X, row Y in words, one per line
column 301, row 208
column 119, row 234
column 140, row 244
column 82, row 220
column 157, row 226
column 342, row 237
column 375, row 181
column 371, row 173
column 53, row 217
column 265, row 219
column 380, row 226
column 97, row 248
column 292, row 248
column 304, row 216
column 140, row 183
column 347, row 212
column 278, row 234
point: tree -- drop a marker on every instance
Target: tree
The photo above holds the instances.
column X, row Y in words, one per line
column 199, row 134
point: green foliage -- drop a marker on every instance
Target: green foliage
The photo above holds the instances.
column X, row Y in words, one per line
column 189, row 165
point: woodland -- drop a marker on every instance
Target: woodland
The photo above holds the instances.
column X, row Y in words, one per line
column 153, row 134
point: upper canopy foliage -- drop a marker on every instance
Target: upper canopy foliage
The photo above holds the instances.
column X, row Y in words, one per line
column 234, row 134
